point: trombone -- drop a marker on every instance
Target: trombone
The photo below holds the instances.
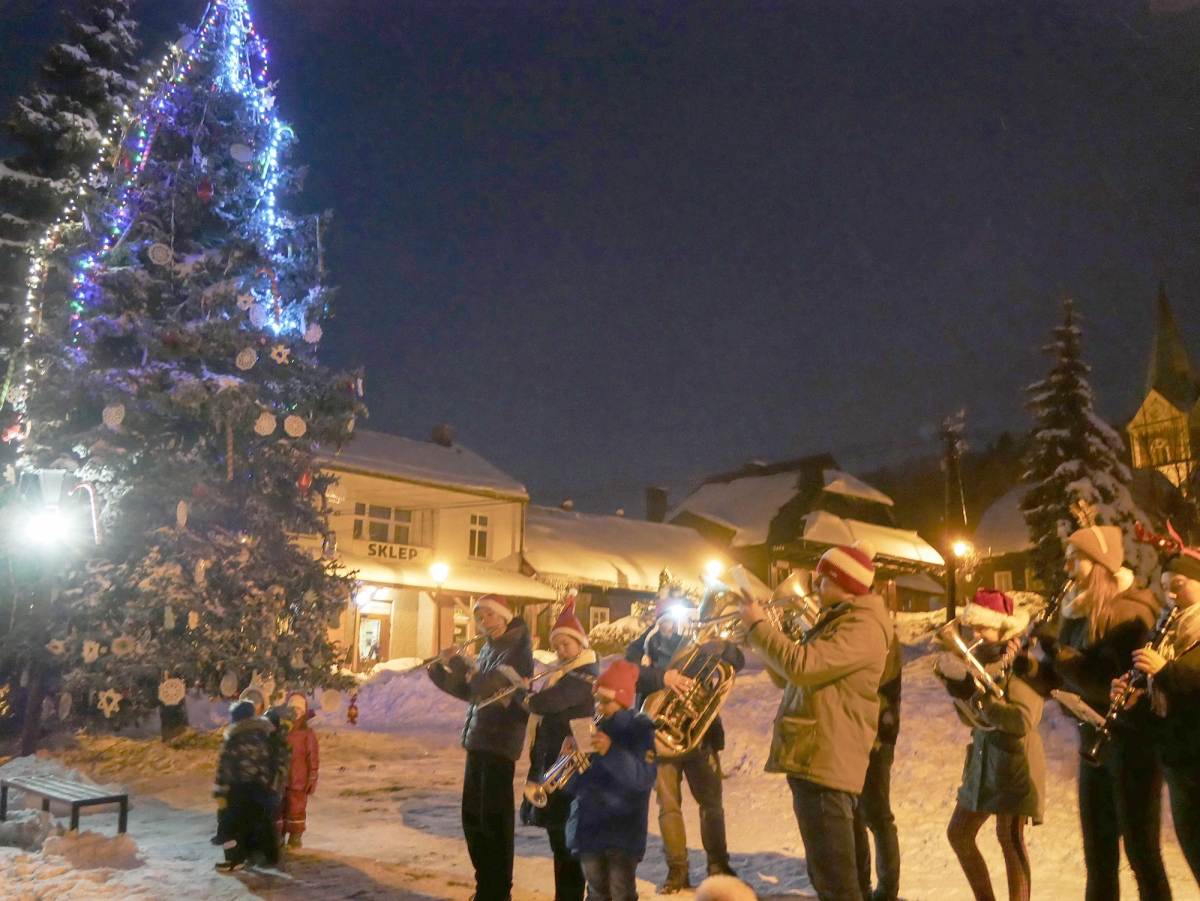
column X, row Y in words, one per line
column 460, row 647
column 512, row 689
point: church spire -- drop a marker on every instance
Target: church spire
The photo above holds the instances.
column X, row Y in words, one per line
column 1171, row 373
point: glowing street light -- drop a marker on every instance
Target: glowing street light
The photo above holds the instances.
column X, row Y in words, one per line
column 962, row 548
column 714, row 568
column 438, row 572
column 364, row 594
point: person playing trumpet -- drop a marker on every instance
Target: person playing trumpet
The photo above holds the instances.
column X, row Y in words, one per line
column 566, row 696
column 493, row 737
column 829, row 714
column 1005, row 770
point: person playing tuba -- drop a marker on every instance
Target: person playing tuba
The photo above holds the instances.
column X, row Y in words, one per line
column 653, row 651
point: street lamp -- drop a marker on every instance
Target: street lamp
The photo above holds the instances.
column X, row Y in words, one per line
column 438, row 572
column 962, row 548
column 714, row 568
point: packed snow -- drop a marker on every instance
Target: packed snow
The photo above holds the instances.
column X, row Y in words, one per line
column 384, row 822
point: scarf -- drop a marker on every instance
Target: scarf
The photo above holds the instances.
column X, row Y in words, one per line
column 1185, row 635
column 586, row 656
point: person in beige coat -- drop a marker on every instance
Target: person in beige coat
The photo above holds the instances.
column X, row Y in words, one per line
column 829, row 714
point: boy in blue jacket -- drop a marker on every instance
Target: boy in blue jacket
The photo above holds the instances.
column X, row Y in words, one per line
column 611, row 806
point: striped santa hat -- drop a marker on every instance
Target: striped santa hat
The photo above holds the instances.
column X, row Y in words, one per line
column 996, row 610
column 568, row 624
column 496, row 604
column 850, row 567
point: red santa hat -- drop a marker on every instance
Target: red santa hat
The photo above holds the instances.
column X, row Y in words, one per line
column 618, row 682
column 996, row 610
column 496, row 604
column 568, row 624
column 850, row 567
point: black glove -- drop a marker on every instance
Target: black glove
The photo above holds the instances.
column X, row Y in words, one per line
column 990, row 652
column 963, row 689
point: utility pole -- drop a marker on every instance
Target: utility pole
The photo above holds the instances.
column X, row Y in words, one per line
column 952, row 428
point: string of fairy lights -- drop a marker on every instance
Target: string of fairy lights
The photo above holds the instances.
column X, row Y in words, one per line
column 227, row 32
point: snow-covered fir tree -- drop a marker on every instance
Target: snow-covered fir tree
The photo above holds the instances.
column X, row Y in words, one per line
column 58, row 128
column 175, row 374
column 1074, row 455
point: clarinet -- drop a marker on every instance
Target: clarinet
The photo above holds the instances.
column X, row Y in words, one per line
column 1134, row 680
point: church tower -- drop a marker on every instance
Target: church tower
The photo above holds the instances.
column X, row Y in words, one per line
column 1165, row 432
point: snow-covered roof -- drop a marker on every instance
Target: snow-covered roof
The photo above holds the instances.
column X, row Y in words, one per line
column 570, row 548
column 922, row 582
column 424, row 462
column 473, row 580
column 1002, row 528
column 900, row 544
column 745, row 506
column 838, row 482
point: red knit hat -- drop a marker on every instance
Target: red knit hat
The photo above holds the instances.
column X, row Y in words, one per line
column 850, row 567
column 568, row 624
column 618, row 682
column 996, row 610
column 496, row 604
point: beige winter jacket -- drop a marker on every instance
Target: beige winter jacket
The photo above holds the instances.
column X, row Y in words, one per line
column 830, row 710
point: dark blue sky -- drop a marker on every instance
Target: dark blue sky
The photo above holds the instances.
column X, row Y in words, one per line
column 617, row 243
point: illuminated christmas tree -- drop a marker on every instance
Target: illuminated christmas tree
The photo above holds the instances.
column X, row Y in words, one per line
column 172, row 328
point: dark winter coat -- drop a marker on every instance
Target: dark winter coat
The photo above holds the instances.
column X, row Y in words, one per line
column 889, row 696
column 610, row 809
column 1005, row 769
column 1179, row 731
column 657, row 649
column 829, row 716
column 498, row 728
column 245, row 756
column 281, row 751
column 568, row 697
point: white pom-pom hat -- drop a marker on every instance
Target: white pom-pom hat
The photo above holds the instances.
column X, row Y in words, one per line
column 850, row 567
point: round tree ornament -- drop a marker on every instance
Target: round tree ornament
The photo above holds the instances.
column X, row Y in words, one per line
column 171, row 692
column 160, row 254
column 229, row 684
column 113, row 415
column 296, row 427
column 258, row 315
column 265, row 424
column 205, row 190
column 123, row 646
column 241, row 153
column 331, row 700
column 246, row 358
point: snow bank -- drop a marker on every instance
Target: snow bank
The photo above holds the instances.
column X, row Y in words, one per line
column 90, row 850
column 401, row 702
column 613, row 637
column 39, row 764
column 28, row 829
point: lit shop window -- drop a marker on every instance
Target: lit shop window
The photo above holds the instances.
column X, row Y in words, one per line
column 479, row 536
column 393, row 525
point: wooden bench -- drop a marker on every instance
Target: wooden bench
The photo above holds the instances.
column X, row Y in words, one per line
column 51, row 788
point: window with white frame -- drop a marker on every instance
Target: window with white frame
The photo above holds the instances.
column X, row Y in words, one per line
column 393, row 525
column 479, row 536
column 1002, row 580
column 596, row 616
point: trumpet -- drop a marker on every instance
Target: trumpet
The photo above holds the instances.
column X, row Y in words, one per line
column 950, row 637
column 512, row 689
column 1134, row 679
column 559, row 774
column 460, row 647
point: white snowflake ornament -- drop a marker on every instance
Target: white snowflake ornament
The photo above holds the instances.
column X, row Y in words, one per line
column 160, row 254
column 245, row 301
column 313, row 333
column 109, row 702
column 246, row 358
column 18, row 394
column 295, row 426
column 171, row 691
column 113, row 415
column 265, row 424
column 280, row 354
column 91, row 651
column 258, row 315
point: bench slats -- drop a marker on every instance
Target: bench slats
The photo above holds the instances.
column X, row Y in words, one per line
column 62, row 789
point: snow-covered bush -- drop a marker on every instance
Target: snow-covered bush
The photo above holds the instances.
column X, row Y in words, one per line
column 614, row 637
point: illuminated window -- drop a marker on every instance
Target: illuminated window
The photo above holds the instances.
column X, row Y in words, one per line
column 479, row 536
column 597, row 615
column 393, row 525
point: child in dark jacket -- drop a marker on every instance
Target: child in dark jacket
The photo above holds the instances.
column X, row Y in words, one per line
column 607, row 826
column 245, row 804
column 493, row 736
column 566, row 696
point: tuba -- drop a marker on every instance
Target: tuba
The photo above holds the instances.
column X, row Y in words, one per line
column 682, row 718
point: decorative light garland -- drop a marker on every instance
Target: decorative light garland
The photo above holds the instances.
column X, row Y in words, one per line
column 228, row 32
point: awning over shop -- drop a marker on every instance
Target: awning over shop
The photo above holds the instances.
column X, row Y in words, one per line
column 900, row 544
column 919, row 582
column 461, row 580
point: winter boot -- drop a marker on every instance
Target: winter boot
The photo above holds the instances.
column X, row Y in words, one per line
column 720, row 868
column 228, row 866
column 294, row 840
column 677, row 881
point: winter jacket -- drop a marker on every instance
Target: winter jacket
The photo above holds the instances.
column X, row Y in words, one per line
column 610, row 809
column 568, row 696
column 505, row 660
column 1178, row 685
column 652, row 652
column 281, row 750
column 889, row 696
column 306, row 758
column 829, row 715
column 1005, row 769
column 245, row 756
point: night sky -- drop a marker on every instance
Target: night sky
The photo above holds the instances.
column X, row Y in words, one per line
column 620, row 243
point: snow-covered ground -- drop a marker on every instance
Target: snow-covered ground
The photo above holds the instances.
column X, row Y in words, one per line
column 384, row 822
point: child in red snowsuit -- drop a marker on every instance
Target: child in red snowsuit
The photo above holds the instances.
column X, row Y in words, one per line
column 302, row 780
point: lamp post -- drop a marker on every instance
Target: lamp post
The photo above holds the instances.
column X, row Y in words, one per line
column 438, row 572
